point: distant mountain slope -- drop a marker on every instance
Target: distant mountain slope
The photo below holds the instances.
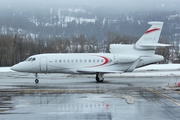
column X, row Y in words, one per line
column 45, row 22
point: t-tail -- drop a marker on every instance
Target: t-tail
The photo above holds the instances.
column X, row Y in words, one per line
column 146, row 45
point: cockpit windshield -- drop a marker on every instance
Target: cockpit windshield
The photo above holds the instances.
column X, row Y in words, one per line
column 30, row 59
column 27, row 59
column 33, row 59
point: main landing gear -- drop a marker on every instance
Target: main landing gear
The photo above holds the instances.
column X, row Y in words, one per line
column 99, row 77
column 36, row 80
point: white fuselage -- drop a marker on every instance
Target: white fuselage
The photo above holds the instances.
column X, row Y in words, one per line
column 73, row 63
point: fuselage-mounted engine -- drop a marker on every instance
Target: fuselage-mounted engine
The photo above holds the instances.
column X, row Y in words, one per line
column 119, row 58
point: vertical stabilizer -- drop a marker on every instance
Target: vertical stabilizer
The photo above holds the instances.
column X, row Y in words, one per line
column 145, row 46
column 149, row 41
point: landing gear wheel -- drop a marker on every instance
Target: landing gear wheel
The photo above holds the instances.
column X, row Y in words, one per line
column 99, row 77
column 36, row 81
column 100, row 80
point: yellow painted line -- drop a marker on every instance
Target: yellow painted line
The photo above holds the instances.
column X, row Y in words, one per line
column 163, row 95
column 2, row 111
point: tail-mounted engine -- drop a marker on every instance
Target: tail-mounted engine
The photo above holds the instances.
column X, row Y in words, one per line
column 119, row 58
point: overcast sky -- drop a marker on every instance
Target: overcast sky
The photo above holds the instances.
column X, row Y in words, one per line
column 138, row 4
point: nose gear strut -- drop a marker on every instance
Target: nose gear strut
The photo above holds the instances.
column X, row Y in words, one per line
column 36, row 80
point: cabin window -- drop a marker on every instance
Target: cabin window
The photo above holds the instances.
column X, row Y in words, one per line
column 68, row 60
column 60, row 61
column 80, row 60
column 102, row 60
column 64, row 61
column 89, row 60
column 55, row 61
column 72, row 61
column 97, row 60
column 76, row 60
column 85, row 60
column 94, row 60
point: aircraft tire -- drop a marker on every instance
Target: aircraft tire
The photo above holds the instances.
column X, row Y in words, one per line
column 36, row 81
column 98, row 80
column 101, row 80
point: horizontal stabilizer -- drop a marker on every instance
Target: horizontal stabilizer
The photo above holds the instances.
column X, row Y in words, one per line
column 155, row 45
column 88, row 71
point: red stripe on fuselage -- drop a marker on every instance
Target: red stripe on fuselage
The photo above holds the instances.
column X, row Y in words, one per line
column 152, row 30
column 105, row 62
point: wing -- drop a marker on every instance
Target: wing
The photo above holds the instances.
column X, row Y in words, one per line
column 93, row 71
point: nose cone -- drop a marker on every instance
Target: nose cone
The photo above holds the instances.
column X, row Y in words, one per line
column 18, row 67
column 15, row 67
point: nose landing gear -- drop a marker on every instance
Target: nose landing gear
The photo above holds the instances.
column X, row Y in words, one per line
column 36, row 80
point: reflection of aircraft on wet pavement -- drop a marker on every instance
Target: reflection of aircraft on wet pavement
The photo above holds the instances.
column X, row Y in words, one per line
column 123, row 58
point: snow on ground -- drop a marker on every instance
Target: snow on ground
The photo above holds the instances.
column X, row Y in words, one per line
column 152, row 70
column 159, row 67
column 5, row 69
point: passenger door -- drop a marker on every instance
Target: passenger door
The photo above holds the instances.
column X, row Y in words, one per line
column 43, row 64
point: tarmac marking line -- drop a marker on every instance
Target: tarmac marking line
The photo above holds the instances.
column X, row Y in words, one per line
column 165, row 96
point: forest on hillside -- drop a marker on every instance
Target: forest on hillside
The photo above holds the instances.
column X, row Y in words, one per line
column 14, row 49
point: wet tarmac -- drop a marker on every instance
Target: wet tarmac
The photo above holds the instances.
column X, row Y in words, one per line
column 81, row 98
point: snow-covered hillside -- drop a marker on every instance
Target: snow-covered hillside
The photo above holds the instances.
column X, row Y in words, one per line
column 65, row 22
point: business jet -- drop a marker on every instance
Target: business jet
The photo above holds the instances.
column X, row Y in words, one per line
column 122, row 58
